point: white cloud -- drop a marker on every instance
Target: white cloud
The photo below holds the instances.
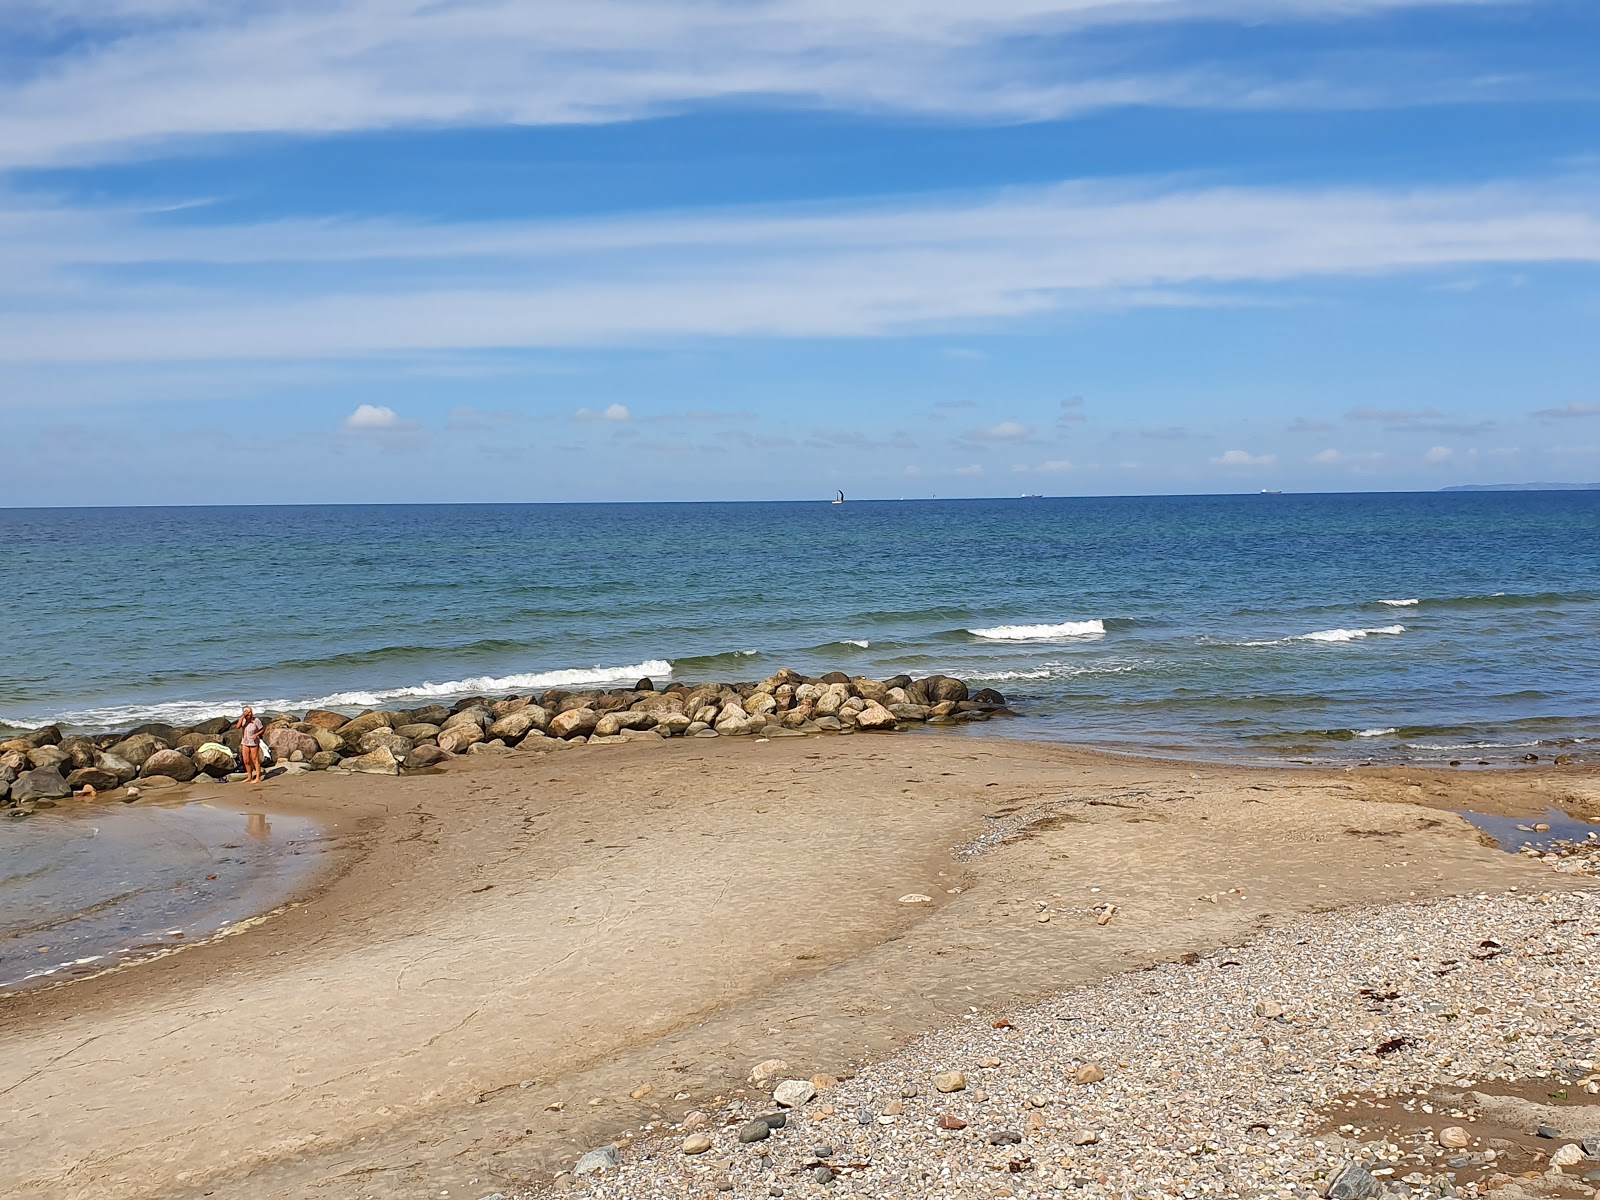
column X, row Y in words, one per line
column 1005, row 431
column 1055, row 466
column 1328, row 457
column 137, row 74
column 616, row 412
column 73, row 290
column 1440, row 454
column 1243, row 458
column 973, row 469
column 372, row 416
column 913, row 470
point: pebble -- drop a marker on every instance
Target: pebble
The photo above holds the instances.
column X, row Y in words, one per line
column 640, row 1092
column 1088, row 1074
column 793, row 1093
column 1270, row 1009
column 950, row 1081
column 1453, row 1137
column 1208, row 1102
column 754, row 1131
column 697, row 1143
column 1569, row 1155
column 915, row 898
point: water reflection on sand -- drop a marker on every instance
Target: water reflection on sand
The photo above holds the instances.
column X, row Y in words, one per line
column 86, row 885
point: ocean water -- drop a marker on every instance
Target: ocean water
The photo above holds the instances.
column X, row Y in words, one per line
column 1415, row 626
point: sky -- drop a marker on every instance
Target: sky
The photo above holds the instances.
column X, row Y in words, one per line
column 277, row 251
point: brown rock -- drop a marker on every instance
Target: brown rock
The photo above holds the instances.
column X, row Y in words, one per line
column 574, row 722
column 174, row 764
column 454, row 739
column 946, row 1121
column 950, row 1081
column 321, row 718
column 1089, row 1073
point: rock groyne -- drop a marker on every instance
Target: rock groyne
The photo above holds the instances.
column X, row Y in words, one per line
column 44, row 765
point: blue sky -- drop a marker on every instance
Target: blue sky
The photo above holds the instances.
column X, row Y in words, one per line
column 405, row 250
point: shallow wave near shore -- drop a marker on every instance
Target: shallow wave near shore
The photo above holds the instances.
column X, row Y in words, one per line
column 1285, row 627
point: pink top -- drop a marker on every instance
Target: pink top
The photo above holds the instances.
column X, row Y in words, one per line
column 252, row 732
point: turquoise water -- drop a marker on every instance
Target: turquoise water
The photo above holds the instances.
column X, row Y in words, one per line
column 1341, row 627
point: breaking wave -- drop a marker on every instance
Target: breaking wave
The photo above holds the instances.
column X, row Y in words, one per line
column 1333, row 635
column 186, row 712
column 1401, row 603
column 1041, row 633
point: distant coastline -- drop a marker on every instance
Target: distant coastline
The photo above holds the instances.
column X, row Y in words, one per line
column 1523, row 487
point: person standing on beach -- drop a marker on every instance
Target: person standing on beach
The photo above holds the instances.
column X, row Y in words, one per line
column 250, row 747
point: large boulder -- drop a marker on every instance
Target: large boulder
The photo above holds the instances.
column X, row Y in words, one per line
column 574, row 722
column 428, row 714
column 989, row 696
column 672, row 724
column 942, row 687
column 328, row 740
column 909, row 712
column 174, row 764
column 137, row 747
column 613, row 723
column 322, row 718
column 398, row 745
column 323, row 759
column 120, row 767
column 48, row 757
column 761, row 703
column 425, row 756
column 213, row 727
column 214, row 759
column 352, row 729
column 467, row 716
column 510, row 704
column 80, row 751
column 42, row 783
column 733, row 720
column 512, row 727
column 875, row 716
column 869, row 689
column 454, row 739
column 379, row 762
column 158, row 729
column 418, row 731
column 94, row 777
column 831, row 701
column 287, row 741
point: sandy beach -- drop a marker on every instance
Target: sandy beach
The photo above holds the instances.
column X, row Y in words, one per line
column 504, row 953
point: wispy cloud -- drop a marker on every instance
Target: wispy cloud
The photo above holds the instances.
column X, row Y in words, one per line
column 134, row 75
column 1422, row 420
column 77, row 285
column 615, row 413
column 1569, row 413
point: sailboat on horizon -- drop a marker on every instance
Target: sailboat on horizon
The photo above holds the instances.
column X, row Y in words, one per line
column 840, row 500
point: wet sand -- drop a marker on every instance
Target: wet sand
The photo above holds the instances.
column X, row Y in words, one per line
column 539, row 930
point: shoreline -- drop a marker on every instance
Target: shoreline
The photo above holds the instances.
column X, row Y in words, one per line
column 810, row 843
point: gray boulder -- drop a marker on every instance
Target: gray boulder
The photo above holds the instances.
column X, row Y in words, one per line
column 120, row 767
column 604, row 1159
column 137, row 747
column 42, row 783
column 397, row 745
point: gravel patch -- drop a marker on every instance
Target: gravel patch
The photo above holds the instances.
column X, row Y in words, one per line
column 1223, row 1076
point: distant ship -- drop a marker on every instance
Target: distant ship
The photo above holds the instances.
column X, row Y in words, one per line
column 840, row 500
column 1270, row 492
column 1033, row 495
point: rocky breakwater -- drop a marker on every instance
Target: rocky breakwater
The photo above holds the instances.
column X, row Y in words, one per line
column 43, row 765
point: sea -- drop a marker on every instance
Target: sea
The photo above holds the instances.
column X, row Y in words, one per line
column 1409, row 627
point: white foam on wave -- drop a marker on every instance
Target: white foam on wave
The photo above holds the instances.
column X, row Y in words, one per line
column 1054, row 670
column 1376, row 732
column 1041, row 633
column 860, row 642
column 187, row 712
column 1333, row 635
column 1412, row 603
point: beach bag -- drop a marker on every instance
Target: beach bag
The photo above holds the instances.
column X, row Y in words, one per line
column 266, row 753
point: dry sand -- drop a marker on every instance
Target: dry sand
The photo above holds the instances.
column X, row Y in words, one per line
column 553, row 929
